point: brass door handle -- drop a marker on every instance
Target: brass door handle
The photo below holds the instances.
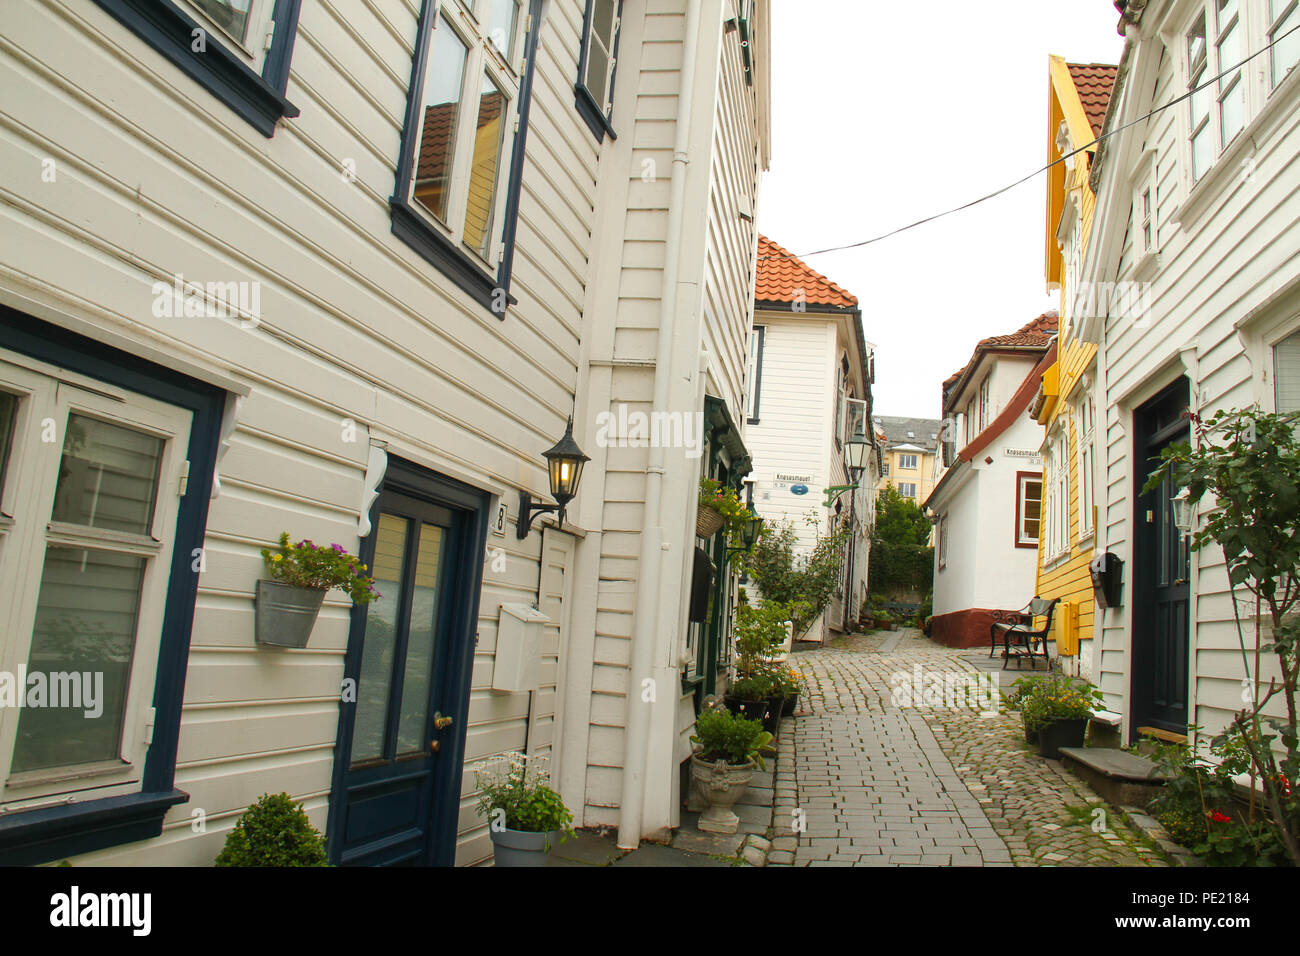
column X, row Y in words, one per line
column 440, row 722
column 433, row 745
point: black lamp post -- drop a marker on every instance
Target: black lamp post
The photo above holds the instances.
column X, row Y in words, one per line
column 748, row 535
column 564, row 466
column 856, row 450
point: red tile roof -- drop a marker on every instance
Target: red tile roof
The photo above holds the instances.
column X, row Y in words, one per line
column 1036, row 334
column 1019, row 402
column 1094, row 81
column 780, row 275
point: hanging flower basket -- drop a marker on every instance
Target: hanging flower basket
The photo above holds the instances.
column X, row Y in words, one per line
column 708, row 521
column 299, row 575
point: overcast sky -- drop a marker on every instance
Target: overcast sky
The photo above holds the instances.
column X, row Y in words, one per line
column 884, row 113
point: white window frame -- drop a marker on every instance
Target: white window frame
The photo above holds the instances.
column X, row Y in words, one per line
column 1055, row 513
column 611, row 59
column 984, row 403
column 904, row 485
column 1270, row 340
column 1209, row 65
column 255, row 44
column 49, row 393
column 908, row 462
column 941, row 545
column 1085, row 432
column 483, row 58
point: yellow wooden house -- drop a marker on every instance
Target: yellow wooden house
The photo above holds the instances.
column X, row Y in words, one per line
column 1065, row 404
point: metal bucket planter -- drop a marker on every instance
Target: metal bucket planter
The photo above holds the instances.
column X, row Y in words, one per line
column 1061, row 733
column 720, row 784
column 521, row 848
column 708, row 521
column 285, row 613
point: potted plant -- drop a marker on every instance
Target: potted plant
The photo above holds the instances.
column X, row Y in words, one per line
column 289, row 599
column 728, row 747
column 526, row 818
column 1057, row 708
column 884, row 620
column 719, row 505
column 757, row 695
column 274, row 831
column 790, row 685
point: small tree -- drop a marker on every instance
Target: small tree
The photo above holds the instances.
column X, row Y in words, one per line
column 901, row 558
column 806, row 582
column 274, row 831
column 1250, row 460
column 900, row 520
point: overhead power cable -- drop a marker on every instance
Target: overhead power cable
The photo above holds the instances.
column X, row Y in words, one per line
column 1024, row 179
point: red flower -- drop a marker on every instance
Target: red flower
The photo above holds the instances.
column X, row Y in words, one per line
column 1218, row 817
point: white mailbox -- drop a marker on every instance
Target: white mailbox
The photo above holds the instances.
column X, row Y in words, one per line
column 519, row 647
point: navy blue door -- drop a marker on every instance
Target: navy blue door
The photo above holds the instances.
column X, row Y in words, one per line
column 401, row 740
column 1160, row 574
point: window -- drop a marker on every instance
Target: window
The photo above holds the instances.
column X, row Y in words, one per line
column 1218, row 112
column 1284, row 17
column 1057, row 472
column 855, row 418
column 755, row 374
column 461, row 157
column 907, row 489
column 907, row 461
column 1286, row 374
column 107, row 471
column 239, row 50
column 1087, row 499
column 1148, row 220
column 884, row 473
column 1029, row 505
column 841, row 383
column 595, row 87
column 984, row 404
column 941, row 546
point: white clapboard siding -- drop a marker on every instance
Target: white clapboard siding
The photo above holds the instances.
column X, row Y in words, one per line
column 1240, row 248
column 157, row 178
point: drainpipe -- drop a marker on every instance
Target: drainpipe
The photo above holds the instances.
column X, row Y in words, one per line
column 636, row 741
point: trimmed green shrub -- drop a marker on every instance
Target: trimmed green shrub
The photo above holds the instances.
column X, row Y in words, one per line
column 274, row 831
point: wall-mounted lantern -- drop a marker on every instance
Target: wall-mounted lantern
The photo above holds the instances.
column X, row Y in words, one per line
column 1184, row 511
column 749, row 533
column 564, row 465
column 856, row 450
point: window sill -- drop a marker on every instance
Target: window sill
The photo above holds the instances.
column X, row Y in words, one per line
column 434, row 248
column 591, row 114
column 169, row 31
column 1229, row 163
column 1056, row 560
column 1147, row 266
column 30, row 837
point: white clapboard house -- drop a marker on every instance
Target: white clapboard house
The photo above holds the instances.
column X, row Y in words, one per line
column 345, row 271
column 986, row 507
column 1191, row 290
column 810, row 391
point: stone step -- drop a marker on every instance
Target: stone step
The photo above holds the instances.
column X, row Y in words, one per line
column 1119, row 777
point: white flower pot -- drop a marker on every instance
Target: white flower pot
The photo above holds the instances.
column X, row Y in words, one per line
column 720, row 784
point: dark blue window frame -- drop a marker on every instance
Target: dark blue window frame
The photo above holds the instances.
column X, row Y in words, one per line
column 39, row 836
column 593, row 113
column 169, row 29
column 492, row 291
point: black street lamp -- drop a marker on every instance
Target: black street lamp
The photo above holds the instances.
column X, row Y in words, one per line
column 564, row 466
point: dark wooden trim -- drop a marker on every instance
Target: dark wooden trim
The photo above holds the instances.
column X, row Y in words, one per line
column 260, row 100
column 1032, row 475
column 50, row 343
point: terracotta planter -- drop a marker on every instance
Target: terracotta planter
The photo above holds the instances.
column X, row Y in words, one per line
column 521, row 848
column 720, row 785
column 285, row 614
column 708, row 521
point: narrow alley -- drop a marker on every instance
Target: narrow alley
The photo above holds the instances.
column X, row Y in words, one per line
column 875, row 784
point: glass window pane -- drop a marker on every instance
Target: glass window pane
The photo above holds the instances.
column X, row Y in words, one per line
column 422, row 642
column 442, row 89
column 1196, row 43
column 8, row 416
column 1202, row 152
column 602, row 22
column 377, row 650
column 1233, row 115
column 483, row 171
column 108, row 476
column 230, row 15
column 81, row 646
column 1286, row 374
column 597, row 70
column 1286, row 54
column 501, row 24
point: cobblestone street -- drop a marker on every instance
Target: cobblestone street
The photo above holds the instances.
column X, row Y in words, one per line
column 928, row 783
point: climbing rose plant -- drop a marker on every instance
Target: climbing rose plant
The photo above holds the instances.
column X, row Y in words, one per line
column 1250, row 461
